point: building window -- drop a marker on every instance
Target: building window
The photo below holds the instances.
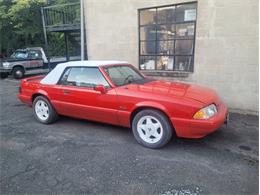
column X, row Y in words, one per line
column 167, row 37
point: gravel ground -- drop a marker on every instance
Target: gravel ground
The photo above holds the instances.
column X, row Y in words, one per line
column 77, row 156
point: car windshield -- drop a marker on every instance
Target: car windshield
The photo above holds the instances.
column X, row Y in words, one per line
column 20, row 55
column 123, row 75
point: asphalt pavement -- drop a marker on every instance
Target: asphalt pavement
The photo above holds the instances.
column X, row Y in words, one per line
column 75, row 156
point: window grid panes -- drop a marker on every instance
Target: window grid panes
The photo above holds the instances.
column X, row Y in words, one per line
column 167, row 37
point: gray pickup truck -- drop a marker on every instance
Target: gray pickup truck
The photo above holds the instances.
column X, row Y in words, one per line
column 21, row 61
column 25, row 60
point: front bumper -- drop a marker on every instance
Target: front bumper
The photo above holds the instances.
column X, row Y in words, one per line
column 194, row 128
column 5, row 70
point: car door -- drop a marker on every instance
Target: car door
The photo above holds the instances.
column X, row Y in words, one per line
column 35, row 59
column 76, row 95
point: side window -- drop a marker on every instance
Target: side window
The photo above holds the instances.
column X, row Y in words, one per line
column 34, row 55
column 64, row 77
column 83, row 77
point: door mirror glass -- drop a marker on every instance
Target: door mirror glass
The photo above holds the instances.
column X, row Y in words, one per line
column 101, row 88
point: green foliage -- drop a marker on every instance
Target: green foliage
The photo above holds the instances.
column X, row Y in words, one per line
column 21, row 26
column 26, row 17
column 56, row 44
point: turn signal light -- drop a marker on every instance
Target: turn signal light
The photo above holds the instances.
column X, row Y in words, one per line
column 206, row 113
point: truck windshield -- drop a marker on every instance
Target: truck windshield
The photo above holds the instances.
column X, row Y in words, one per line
column 20, row 55
column 123, row 75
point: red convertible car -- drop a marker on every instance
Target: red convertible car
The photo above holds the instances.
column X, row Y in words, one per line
column 117, row 93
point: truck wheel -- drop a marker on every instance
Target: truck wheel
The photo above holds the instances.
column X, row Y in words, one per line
column 151, row 128
column 43, row 110
column 18, row 72
column 4, row 75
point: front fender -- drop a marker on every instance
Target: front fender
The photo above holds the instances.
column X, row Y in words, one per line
column 151, row 104
column 125, row 116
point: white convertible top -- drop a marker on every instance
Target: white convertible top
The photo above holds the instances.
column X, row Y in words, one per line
column 54, row 76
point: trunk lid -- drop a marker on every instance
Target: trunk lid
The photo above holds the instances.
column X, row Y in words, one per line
column 34, row 79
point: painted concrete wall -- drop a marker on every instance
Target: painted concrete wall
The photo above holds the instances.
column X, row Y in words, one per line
column 226, row 49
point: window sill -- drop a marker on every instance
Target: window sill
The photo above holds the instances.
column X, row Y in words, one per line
column 177, row 74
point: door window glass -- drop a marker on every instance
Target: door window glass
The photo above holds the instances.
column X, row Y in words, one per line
column 35, row 55
column 83, row 77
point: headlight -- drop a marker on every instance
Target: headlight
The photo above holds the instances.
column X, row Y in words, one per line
column 6, row 64
column 206, row 113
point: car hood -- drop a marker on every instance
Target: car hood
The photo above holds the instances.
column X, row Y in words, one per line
column 198, row 93
column 12, row 60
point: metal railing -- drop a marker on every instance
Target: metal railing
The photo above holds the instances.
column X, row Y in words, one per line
column 62, row 17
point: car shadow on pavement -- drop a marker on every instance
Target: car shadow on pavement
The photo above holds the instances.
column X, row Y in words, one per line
column 127, row 132
column 234, row 138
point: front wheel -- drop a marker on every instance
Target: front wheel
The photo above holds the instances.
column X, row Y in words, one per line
column 151, row 128
column 18, row 72
column 43, row 110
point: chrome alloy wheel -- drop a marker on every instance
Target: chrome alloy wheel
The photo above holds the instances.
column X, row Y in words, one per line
column 149, row 129
column 42, row 110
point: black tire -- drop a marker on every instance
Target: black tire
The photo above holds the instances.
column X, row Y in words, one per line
column 3, row 75
column 52, row 114
column 167, row 130
column 18, row 72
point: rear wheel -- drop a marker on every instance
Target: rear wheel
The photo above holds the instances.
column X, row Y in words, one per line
column 44, row 111
column 18, row 72
column 151, row 128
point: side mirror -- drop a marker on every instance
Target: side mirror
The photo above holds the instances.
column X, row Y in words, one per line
column 101, row 88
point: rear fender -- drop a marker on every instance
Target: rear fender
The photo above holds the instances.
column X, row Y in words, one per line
column 40, row 92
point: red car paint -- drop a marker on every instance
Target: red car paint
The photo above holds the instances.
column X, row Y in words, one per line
column 117, row 105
